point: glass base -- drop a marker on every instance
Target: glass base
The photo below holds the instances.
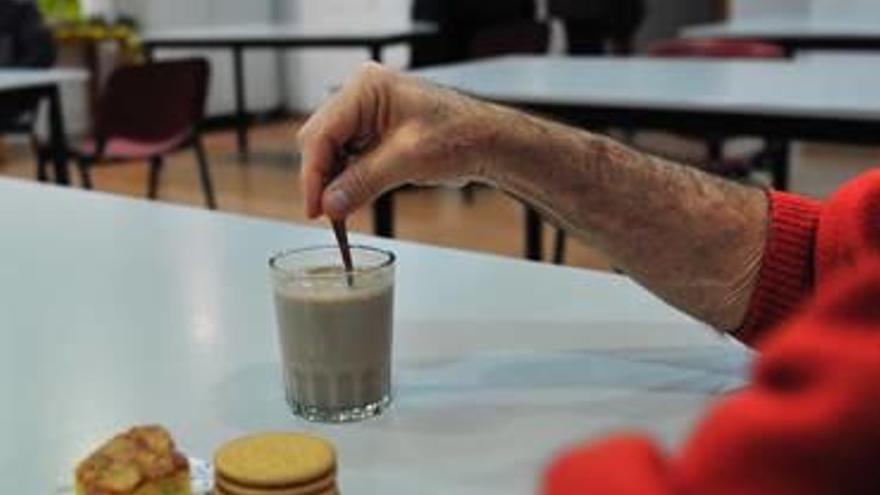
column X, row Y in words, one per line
column 339, row 415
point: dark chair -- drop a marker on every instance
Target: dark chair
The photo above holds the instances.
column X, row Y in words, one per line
column 596, row 27
column 146, row 112
column 468, row 29
column 519, row 37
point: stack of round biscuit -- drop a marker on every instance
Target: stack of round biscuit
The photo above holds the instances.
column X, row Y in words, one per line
column 276, row 464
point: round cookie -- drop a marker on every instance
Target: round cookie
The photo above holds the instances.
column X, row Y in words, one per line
column 316, row 487
column 275, row 460
column 331, row 491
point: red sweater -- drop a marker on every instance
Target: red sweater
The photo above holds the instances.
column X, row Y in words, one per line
column 810, row 421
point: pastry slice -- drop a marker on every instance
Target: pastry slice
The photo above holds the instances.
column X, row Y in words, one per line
column 141, row 461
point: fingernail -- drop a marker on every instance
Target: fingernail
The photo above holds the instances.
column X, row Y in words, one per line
column 336, row 201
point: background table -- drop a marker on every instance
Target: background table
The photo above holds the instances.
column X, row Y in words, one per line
column 116, row 311
column 44, row 84
column 778, row 100
column 799, row 33
column 238, row 38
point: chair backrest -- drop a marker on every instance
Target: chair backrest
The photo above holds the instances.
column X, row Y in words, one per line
column 153, row 102
column 530, row 37
column 594, row 26
column 715, row 48
column 466, row 26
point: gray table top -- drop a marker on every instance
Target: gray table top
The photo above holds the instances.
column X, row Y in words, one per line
column 792, row 27
column 115, row 312
column 12, row 79
column 815, row 89
column 289, row 32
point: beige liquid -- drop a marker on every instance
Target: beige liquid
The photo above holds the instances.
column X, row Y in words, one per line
column 336, row 342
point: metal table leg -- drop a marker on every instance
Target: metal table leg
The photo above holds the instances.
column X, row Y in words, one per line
column 534, row 238
column 383, row 208
column 241, row 118
column 57, row 136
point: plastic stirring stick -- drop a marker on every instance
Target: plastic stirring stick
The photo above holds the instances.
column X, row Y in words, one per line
column 341, row 233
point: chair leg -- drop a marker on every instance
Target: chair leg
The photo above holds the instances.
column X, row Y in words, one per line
column 156, row 164
column 205, row 174
column 468, row 193
column 715, row 149
column 559, row 247
column 83, row 165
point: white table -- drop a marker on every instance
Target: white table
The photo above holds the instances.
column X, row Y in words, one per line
column 778, row 100
column 374, row 37
column 799, row 33
column 44, row 83
column 115, row 312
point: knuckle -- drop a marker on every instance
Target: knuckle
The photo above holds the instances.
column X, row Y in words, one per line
column 373, row 73
column 360, row 184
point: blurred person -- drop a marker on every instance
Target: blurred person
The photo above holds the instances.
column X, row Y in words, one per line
column 796, row 279
column 25, row 42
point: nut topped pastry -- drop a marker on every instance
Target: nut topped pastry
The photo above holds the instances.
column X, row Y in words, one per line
column 141, row 461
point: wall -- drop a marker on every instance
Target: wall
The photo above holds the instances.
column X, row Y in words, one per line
column 260, row 65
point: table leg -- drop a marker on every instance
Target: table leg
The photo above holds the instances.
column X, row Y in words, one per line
column 534, row 237
column 57, row 137
column 383, row 208
column 241, row 119
column 781, row 158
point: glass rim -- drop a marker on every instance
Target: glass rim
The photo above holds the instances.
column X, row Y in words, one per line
column 389, row 260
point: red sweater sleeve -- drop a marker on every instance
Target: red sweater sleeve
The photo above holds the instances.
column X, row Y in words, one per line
column 806, row 243
column 810, row 422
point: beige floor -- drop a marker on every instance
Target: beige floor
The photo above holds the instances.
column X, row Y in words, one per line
column 268, row 186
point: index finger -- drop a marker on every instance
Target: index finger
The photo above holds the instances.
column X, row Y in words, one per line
column 325, row 135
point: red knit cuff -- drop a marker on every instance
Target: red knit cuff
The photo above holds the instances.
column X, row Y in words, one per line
column 787, row 270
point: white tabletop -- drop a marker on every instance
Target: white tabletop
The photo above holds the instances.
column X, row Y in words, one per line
column 810, row 89
column 791, row 27
column 295, row 32
column 11, row 79
column 115, row 312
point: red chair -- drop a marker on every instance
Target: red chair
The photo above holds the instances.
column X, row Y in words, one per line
column 146, row 112
column 715, row 48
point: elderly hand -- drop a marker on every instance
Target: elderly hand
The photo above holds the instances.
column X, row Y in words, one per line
column 383, row 130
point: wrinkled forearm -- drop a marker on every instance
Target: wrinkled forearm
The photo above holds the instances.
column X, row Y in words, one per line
column 695, row 240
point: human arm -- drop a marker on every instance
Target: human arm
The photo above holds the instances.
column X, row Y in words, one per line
column 694, row 240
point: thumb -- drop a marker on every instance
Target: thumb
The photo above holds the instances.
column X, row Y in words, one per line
column 362, row 181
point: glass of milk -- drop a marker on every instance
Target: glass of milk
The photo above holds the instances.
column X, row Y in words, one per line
column 335, row 331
